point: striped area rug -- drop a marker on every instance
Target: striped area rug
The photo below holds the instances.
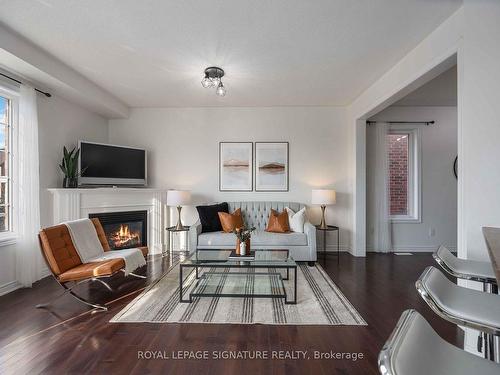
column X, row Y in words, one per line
column 319, row 302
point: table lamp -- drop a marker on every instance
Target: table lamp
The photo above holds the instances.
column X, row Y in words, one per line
column 178, row 198
column 323, row 197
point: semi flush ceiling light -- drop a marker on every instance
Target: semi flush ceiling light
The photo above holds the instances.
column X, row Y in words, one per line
column 213, row 78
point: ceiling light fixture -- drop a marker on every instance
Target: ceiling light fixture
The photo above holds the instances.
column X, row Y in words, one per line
column 213, row 78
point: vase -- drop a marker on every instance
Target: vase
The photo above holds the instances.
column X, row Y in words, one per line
column 70, row 182
column 238, row 248
column 243, row 248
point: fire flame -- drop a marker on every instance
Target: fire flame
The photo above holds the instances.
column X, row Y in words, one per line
column 124, row 231
column 124, row 237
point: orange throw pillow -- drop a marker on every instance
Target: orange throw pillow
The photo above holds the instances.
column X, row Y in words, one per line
column 278, row 222
column 230, row 222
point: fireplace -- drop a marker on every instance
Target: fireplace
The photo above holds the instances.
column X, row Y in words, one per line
column 124, row 230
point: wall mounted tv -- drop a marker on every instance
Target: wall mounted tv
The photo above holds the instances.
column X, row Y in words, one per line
column 103, row 164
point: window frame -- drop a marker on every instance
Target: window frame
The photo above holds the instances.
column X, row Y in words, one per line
column 414, row 198
column 11, row 93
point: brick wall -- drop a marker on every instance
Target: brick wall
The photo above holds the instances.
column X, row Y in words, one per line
column 397, row 147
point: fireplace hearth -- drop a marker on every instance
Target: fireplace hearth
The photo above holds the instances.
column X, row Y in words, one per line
column 124, row 230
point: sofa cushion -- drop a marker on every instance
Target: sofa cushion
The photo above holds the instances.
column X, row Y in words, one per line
column 278, row 239
column 278, row 222
column 259, row 238
column 209, row 217
column 296, row 220
column 217, row 239
column 231, row 222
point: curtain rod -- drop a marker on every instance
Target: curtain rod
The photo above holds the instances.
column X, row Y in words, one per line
column 403, row 122
column 47, row 94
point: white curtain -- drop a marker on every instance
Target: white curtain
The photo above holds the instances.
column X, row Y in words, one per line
column 382, row 227
column 28, row 189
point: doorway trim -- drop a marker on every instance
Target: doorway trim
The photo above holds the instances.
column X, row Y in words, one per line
column 453, row 56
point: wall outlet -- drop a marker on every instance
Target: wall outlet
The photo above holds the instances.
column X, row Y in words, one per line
column 432, row 232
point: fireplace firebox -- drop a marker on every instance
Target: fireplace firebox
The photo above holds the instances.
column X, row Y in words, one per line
column 124, row 230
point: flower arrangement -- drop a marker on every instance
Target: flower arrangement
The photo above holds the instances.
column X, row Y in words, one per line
column 243, row 244
column 243, row 234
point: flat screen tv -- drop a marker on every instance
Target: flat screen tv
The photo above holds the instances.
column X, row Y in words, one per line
column 102, row 164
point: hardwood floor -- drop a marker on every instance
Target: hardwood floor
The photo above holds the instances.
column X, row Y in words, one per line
column 69, row 339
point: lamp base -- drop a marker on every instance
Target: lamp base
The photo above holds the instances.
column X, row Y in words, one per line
column 179, row 225
column 323, row 224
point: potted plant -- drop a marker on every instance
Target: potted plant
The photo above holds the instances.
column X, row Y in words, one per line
column 69, row 166
column 243, row 236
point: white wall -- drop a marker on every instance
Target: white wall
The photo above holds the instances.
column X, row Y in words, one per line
column 481, row 123
column 439, row 185
column 60, row 123
column 183, row 146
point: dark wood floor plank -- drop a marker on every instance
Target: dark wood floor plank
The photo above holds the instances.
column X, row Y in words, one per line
column 45, row 341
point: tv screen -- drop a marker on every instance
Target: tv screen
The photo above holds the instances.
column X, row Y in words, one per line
column 111, row 165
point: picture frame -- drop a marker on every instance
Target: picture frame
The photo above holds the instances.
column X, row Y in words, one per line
column 271, row 166
column 235, row 166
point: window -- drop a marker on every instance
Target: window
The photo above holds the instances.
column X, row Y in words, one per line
column 6, row 120
column 404, row 173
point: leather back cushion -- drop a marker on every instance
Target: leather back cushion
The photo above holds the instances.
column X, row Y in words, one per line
column 58, row 248
column 100, row 234
column 230, row 222
column 278, row 222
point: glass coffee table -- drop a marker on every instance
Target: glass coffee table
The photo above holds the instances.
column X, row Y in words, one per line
column 215, row 275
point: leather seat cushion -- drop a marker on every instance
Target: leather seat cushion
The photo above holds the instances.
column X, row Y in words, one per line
column 418, row 349
column 466, row 266
column 259, row 238
column 462, row 302
column 93, row 269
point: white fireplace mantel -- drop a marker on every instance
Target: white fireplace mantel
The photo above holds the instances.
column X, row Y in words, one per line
column 73, row 204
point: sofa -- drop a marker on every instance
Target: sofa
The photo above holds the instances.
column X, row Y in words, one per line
column 302, row 246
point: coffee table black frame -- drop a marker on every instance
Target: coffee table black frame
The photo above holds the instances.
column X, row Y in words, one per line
column 197, row 262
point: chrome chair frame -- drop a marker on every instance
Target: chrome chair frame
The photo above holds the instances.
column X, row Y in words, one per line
column 385, row 362
column 442, row 263
column 489, row 334
column 427, row 297
column 388, row 360
column 490, row 285
column 69, row 290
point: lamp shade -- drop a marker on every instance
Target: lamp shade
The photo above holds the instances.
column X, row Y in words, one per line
column 323, row 196
column 178, row 197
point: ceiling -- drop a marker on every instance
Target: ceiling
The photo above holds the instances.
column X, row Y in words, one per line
column 282, row 52
column 441, row 91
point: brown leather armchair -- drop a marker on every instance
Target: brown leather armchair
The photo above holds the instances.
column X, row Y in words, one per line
column 66, row 266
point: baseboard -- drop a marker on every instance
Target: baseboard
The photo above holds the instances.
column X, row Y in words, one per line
column 333, row 249
column 9, row 287
column 414, row 249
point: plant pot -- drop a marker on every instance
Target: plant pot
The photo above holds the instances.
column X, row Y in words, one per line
column 70, row 182
column 247, row 242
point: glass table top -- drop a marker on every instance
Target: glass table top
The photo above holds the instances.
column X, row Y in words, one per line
column 220, row 258
column 239, row 285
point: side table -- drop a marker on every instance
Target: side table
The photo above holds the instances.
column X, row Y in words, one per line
column 330, row 228
column 171, row 231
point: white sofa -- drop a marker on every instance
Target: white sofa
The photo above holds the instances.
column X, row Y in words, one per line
column 302, row 246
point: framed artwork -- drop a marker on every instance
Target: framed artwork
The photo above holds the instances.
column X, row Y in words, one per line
column 271, row 166
column 235, row 166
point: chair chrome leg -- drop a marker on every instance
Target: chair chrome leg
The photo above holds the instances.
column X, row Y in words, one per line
column 106, row 285
column 136, row 275
column 94, row 305
column 70, row 291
